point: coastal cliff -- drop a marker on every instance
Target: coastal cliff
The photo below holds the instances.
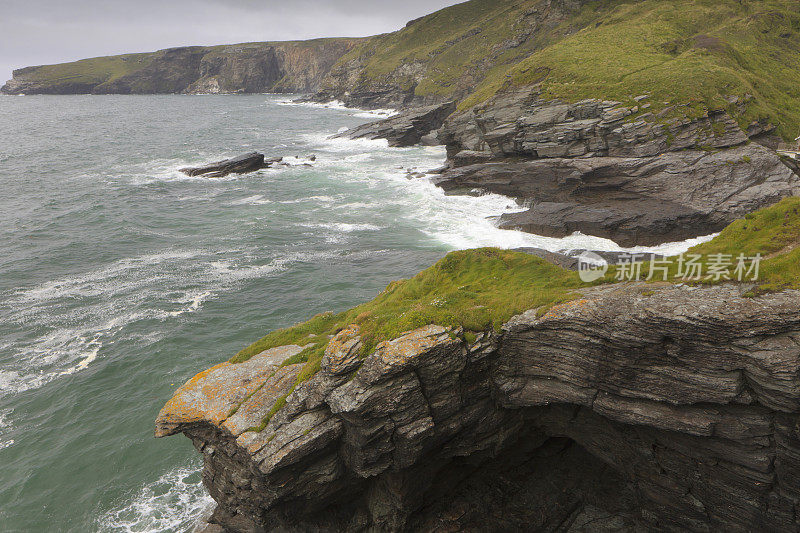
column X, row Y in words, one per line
column 497, row 391
column 289, row 67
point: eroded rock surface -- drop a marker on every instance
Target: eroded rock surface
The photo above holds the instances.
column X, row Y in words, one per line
column 636, row 407
column 613, row 171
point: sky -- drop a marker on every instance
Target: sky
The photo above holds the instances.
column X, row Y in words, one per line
column 38, row 32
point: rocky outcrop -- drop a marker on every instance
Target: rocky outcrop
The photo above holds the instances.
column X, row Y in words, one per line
column 288, row 67
column 407, row 128
column 637, row 407
column 242, row 164
column 608, row 170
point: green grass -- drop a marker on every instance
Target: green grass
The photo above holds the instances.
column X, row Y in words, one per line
column 95, row 70
column 692, row 53
column 772, row 233
column 476, row 290
column 689, row 52
column 479, row 290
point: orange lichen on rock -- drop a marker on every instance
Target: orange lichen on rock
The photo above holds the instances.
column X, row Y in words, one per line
column 254, row 408
column 211, row 395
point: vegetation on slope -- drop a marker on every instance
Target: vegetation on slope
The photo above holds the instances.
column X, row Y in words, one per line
column 696, row 54
column 773, row 233
column 478, row 290
column 455, row 47
column 702, row 54
column 92, row 71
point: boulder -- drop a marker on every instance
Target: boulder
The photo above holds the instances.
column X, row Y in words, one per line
column 242, row 164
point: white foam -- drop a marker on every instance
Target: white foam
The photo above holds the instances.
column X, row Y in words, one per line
column 87, row 357
column 175, row 502
column 343, row 145
column 345, row 227
column 338, row 105
column 315, row 199
column 464, row 221
column 257, row 199
column 4, row 425
column 111, row 298
column 195, row 303
column 295, row 161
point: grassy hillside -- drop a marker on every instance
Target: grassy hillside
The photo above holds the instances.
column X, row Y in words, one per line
column 89, row 71
column 694, row 54
column 455, row 47
column 704, row 53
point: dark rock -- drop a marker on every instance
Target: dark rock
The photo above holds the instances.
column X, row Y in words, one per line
column 644, row 222
column 637, row 407
column 406, row 129
column 470, row 157
column 590, row 168
column 431, row 139
column 242, row 164
column 634, row 200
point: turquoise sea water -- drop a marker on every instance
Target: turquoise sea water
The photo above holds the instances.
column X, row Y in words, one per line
column 120, row 278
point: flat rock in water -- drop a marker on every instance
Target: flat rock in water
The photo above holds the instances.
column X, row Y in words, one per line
column 237, row 165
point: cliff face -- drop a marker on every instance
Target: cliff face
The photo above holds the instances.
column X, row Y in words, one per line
column 246, row 68
column 496, row 391
column 634, row 407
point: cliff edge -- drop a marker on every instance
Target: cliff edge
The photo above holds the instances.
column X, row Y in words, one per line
column 539, row 402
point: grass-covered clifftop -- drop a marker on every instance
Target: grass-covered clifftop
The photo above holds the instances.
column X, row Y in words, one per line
column 698, row 54
column 479, row 290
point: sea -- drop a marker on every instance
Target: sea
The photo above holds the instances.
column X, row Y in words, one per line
column 121, row 277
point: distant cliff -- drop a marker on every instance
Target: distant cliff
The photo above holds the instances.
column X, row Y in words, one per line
column 297, row 66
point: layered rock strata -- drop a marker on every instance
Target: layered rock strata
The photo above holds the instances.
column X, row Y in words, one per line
column 635, row 407
column 613, row 171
